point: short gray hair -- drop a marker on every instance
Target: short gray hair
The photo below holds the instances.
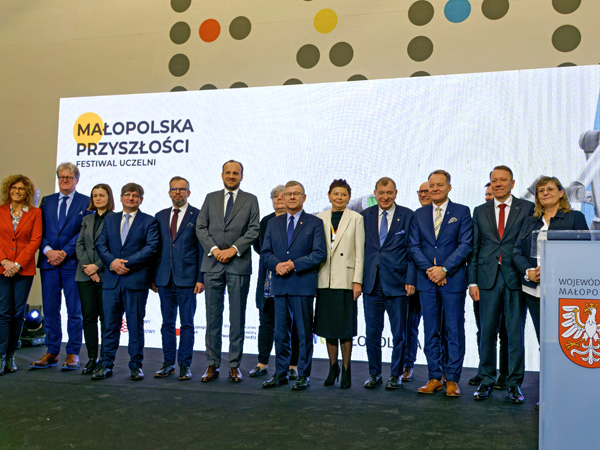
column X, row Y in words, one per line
column 277, row 190
column 295, row 183
column 68, row 166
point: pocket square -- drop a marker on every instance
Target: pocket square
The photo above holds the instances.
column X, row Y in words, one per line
column 81, row 213
column 453, row 219
column 400, row 232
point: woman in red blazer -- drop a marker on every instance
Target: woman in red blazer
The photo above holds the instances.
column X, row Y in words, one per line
column 20, row 238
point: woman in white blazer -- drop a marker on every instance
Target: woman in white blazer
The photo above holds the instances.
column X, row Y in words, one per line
column 340, row 280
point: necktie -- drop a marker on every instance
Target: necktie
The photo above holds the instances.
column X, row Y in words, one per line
column 383, row 229
column 229, row 206
column 125, row 229
column 290, row 230
column 437, row 223
column 501, row 223
column 174, row 223
column 62, row 213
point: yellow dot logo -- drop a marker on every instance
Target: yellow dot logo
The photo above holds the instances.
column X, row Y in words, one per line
column 325, row 21
column 88, row 129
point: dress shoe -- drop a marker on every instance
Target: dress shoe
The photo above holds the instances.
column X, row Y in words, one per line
column 89, row 367
column 407, row 375
column 432, row 386
column 211, row 374
column 515, row 395
column 10, row 367
column 258, row 372
column 2, row 364
column 346, row 377
column 184, row 373
column 334, row 374
column 293, row 375
column 537, row 406
column 475, row 381
column 500, row 383
column 102, row 372
column 452, row 389
column 71, row 363
column 302, row 383
column 393, row 383
column 276, row 381
column 483, row 392
column 48, row 360
column 136, row 374
column 165, row 371
column 373, row 381
column 235, row 375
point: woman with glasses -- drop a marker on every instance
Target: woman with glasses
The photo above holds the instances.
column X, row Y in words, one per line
column 20, row 238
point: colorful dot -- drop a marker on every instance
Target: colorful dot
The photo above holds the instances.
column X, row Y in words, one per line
column 341, row 54
column 180, row 33
column 420, row 13
column 566, row 38
column 240, row 28
column 325, row 21
column 308, row 56
column 209, row 30
column 457, row 11
column 179, row 65
column 494, row 9
column 420, row 48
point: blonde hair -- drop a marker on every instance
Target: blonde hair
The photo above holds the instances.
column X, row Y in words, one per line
column 563, row 204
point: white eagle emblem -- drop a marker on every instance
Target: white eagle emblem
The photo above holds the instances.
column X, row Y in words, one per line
column 582, row 337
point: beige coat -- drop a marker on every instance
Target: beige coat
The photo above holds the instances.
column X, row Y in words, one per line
column 345, row 261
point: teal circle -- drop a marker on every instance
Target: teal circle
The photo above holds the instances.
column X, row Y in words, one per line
column 457, row 11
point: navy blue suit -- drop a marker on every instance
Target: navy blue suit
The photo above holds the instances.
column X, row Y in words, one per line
column 388, row 268
column 294, row 292
column 127, row 293
column 61, row 277
column 178, row 271
column 450, row 250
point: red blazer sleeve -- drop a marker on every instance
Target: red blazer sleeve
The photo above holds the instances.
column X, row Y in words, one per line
column 28, row 242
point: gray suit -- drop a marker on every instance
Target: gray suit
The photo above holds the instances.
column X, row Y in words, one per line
column 241, row 230
column 86, row 248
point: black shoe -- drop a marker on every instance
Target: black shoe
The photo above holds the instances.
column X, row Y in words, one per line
column 184, row 373
column 301, row 384
column 90, row 367
column 165, row 371
column 515, row 395
column 483, row 392
column 475, row 381
column 276, row 381
column 334, row 374
column 102, row 372
column 501, row 383
column 373, row 381
column 258, row 372
column 537, row 406
column 293, row 374
column 346, row 377
column 393, row 383
column 11, row 367
column 136, row 374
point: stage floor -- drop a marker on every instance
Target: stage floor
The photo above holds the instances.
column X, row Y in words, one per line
column 50, row 409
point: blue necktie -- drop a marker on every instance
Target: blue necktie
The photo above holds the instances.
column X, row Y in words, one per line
column 125, row 229
column 229, row 206
column 290, row 231
column 62, row 213
column 383, row 229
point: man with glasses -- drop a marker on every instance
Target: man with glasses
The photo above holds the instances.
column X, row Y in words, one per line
column 62, row 215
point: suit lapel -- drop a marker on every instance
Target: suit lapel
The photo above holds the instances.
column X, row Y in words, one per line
column 25, row 216
column 186, row 218
column 342, row 226
column 445, row 219
column 220, row 199
column 490, row 214
column 515, row 208
column 74, row 206
column 297, row 229
column 429, row 220
column 393, row 226
column 239, row 202
column 53, row 209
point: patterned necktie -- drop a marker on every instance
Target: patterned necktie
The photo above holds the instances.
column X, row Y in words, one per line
column 290, row 230
column 125, row 229
column 62, row 213
column 501, row 218
column 174, row 223
column 229, row 206
column 437, row 223
column 383, row 229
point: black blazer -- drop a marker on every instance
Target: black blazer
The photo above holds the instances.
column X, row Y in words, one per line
column 262, row 271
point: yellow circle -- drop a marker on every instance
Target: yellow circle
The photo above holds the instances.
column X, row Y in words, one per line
column 325, row 21
column 88, row 129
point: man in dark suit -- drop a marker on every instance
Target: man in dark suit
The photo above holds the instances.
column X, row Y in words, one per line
column 293, row 248
column 128, row 245
column 62, row 215
column 440, row 243
column 388, row 280
column 178, row 278
column 494, row 282
column 227, row 227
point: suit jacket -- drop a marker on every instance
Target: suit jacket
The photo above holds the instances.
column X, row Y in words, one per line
column 262, row 271
column 307, row 249
column 181, row 257
column 240, row 230
column 20, row 245
column 65, row 238
column 572, row 220
column 487, row 245
column 140, row 250
column 450, row 250
column 86, row 247
column 345, row 261
column 393, row 260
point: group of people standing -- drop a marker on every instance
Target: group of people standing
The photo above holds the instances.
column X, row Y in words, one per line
column 408, row 264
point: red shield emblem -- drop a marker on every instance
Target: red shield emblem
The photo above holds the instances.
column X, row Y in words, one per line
column 579, row 331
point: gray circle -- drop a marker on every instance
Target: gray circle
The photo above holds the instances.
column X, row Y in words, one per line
column 178, row 89
column 308, row 56
column 567, row 64
column 420, row 48
column 292, row 81
column 180, row 5
column 180, row 33
column 208, row 87
column 179, row 65
column 238, row 84
column 341, row 54
column 420, row 73
column 566, row 6
column 357, row 77
column 566, row 38
column 240, row 28
column 494, row 9
column 420, row 13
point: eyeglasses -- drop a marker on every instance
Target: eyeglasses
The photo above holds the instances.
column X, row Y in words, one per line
column 179, row 189
column 65, row 178
column 294, row 194
column 423, row 191
column 18, row 189
column 549, row 190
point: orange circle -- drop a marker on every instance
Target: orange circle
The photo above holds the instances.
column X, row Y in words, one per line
column 209, row 30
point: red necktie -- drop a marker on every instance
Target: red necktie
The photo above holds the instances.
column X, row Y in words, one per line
column 174, row 223
column 501, row 223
